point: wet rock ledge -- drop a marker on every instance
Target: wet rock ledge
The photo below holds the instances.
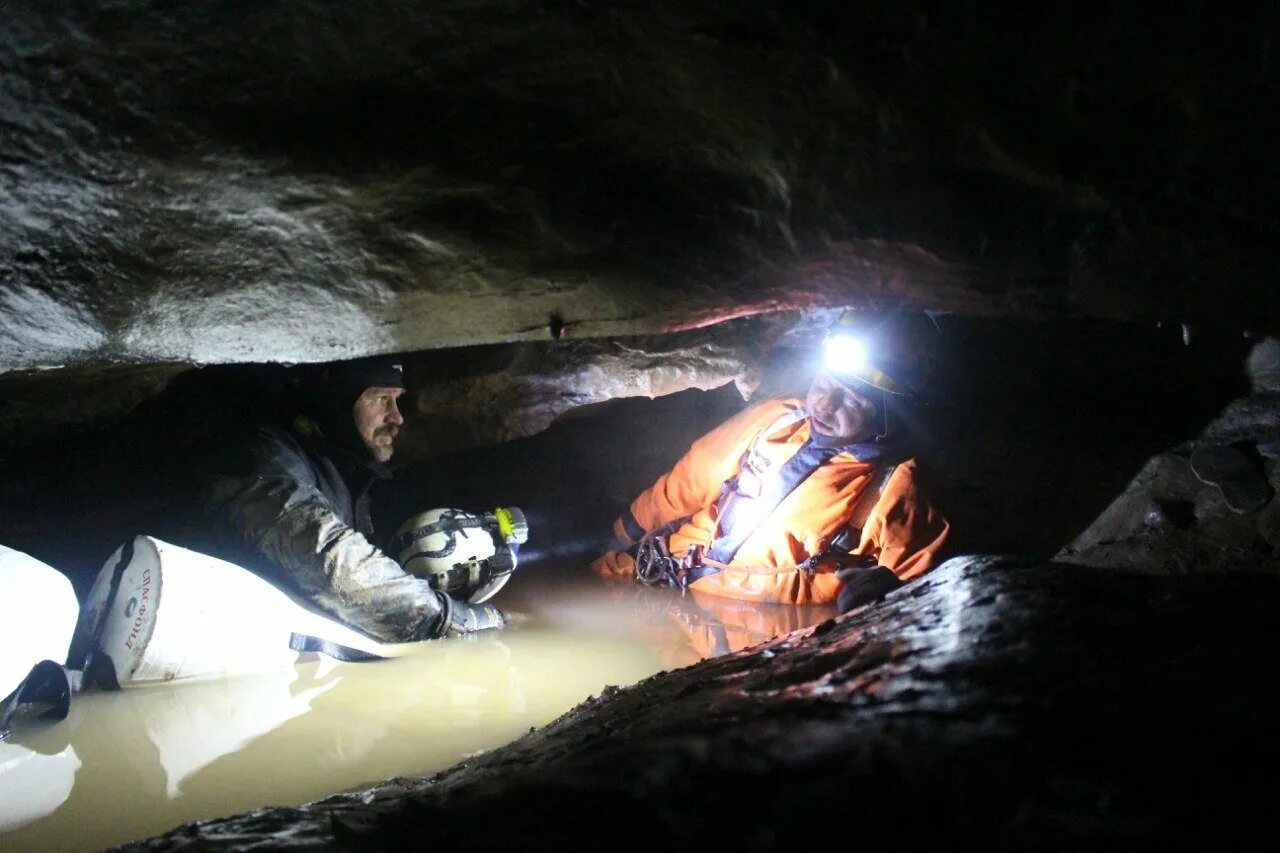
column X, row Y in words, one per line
column 1053, row 706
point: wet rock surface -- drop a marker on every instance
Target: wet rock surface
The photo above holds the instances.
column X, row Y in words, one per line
column 485, row 396
column 459, row 398
column 1174, row 517
column 204, row 183
column 1050, row 706
column 1168, row 521
column 42, row 406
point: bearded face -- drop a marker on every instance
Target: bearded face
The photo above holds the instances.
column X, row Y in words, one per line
column 378, row 420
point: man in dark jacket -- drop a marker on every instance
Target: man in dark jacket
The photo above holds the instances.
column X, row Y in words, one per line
column 294, row 508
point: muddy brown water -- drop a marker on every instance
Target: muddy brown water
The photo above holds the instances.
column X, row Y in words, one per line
column 135, row 763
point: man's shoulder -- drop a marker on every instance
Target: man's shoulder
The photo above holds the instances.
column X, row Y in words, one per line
column 907, row 477
column 278, row 434
column 270, row 447
column 760, row 415
column 777, row 406
column 747, row 423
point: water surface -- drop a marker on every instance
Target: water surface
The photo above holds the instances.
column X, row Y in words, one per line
column 135, row 763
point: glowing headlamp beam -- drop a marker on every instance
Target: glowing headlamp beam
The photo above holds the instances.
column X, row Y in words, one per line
column 844, row 353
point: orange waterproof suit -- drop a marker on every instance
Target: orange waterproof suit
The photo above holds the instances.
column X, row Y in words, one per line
column 902, row 531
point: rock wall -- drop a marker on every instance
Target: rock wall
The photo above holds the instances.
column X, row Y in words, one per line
column 205, row 183
column 475, row 397
column 1176, row 517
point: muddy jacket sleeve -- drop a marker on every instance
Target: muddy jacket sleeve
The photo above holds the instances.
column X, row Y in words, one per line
column 696, row 480
column 282, row 518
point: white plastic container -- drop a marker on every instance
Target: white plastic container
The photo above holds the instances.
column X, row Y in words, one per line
column 38, row 613
column 181, row 614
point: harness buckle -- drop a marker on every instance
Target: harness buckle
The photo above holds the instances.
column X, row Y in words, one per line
column 655, row 565
column 750, row 482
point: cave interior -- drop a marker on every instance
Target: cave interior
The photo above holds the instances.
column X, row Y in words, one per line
column 593, row 232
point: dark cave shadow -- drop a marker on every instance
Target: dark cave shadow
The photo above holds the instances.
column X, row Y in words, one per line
column 1048, row 422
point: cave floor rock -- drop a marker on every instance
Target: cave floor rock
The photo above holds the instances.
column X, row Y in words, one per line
column 1051, row 706
column 1171, row 519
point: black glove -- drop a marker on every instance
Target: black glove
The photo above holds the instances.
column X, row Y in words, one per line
column 458, row 617
column 469, row 618
column 847, row 564
column 863, row 585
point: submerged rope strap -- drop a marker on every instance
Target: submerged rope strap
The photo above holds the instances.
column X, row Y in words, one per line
column 851, row 536
column 48, row 685
column 337, row 651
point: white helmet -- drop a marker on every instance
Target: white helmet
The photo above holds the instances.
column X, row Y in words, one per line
column 469, row 557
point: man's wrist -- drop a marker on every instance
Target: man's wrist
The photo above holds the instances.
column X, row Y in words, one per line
column 435, row 626
column 627, row 530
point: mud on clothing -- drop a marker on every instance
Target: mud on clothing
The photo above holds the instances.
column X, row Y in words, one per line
column 294, row 508
column 903, row 531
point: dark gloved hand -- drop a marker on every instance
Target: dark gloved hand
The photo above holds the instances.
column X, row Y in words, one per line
column 847, row 565
column 458, row 617
column 863, row 584
column 469, row 618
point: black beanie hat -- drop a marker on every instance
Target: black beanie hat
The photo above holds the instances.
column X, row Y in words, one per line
column 349, row 379
column 336, row 388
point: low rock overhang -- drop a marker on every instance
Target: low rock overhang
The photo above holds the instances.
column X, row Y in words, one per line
column 191, row 184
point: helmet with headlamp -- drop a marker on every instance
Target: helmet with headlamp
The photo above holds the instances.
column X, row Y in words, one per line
column 895, row 352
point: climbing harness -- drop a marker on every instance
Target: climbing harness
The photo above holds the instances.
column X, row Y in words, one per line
column 654, row 564
column 748, row 499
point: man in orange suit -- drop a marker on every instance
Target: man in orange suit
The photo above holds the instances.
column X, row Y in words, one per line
column 796, row 501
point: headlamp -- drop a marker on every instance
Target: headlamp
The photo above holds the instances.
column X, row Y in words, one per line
column 844, row 354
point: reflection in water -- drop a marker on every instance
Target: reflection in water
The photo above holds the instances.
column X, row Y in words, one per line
column 131, row 764
column 33, row 783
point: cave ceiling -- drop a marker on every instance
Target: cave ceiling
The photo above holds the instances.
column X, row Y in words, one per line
column 214, row 183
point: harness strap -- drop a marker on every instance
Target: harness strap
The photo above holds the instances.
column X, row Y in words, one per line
column 846, row 541
column 851, row 536
column 741, row 515
column 754, row 465
column 630, row 526
column 786, row 419
column 337, row 651
column 48, row 685
column 761, row 493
